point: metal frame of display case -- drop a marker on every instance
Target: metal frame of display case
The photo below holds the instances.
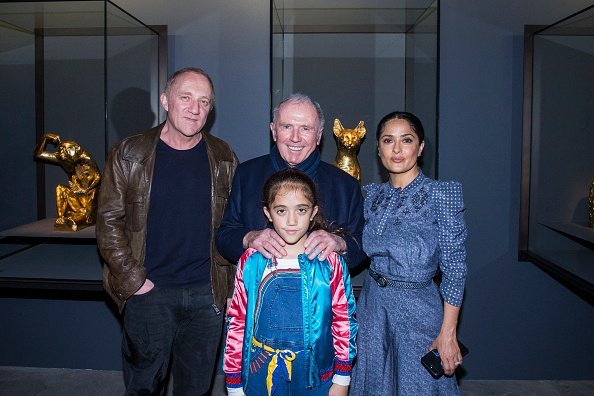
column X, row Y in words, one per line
column 576, row 278
column 406, row 67
column 24, row 280
column 417, row 22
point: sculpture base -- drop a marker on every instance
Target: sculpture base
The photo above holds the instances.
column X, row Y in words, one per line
column 68, row 227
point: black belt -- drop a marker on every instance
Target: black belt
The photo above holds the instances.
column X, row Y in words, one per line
column 382, row 281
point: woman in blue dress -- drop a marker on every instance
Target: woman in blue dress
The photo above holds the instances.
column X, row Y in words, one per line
column 413, row 226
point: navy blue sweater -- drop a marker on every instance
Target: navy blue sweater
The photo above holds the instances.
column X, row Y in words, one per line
column 178, row 225
column 340, row 200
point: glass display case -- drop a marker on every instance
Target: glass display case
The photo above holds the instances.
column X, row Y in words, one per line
column 558, row 151
column 359, row 62
column 89, row 72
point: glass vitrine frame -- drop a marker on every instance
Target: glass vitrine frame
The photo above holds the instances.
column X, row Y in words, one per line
column 84, row 70
column 374, row 59
column 557, row 152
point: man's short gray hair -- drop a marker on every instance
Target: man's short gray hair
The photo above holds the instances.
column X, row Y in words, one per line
column 300, row 98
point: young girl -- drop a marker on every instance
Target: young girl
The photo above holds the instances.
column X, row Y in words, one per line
column 291, row 325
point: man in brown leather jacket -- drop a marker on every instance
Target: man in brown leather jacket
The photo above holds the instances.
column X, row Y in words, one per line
column 156, row 235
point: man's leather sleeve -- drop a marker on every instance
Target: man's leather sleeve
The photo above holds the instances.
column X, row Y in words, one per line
column 118, row 218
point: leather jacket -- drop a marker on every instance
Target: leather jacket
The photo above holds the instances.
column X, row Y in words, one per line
column 123, row 211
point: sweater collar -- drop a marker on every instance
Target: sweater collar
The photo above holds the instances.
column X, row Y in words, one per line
column 309, row 166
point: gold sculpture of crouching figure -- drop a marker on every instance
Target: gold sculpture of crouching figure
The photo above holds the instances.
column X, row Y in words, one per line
column 76, row 202
column 348, row 142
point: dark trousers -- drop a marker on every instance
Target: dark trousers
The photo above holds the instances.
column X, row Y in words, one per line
column 173, row 331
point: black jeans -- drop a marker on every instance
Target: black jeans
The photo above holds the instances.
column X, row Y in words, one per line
column 170, row 327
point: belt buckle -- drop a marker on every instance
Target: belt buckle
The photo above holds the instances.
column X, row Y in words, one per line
column 381, row 281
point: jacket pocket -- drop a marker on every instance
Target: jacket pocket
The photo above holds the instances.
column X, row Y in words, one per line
column 135, row 210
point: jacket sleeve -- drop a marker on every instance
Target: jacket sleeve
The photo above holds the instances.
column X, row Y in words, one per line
column 229, row 238
column 230, row 279
column 126, row 273
column 230, row 271
column 354, row 254
column 236, row 314
column 344, row 324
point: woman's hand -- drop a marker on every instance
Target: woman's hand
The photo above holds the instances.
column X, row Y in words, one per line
column 446, row 342
column 449, row 352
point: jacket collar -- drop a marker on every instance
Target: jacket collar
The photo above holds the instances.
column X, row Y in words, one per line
column 309, row 165
column 142, row 152
column 145, row 147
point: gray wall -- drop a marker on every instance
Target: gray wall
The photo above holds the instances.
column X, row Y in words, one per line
column 518, row 322
column 55, row 332
column 230, row 40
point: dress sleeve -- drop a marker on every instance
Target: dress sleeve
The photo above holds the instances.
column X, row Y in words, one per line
column 232, row 360
column 449, row 206
column 370, row 189
column 344, row 324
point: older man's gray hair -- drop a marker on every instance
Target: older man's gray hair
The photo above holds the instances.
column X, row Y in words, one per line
column 300, row 98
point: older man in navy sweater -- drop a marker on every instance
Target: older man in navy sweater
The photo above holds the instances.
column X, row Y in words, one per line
column 297, row 126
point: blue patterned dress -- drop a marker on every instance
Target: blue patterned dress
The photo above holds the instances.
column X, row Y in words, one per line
column 408, row 234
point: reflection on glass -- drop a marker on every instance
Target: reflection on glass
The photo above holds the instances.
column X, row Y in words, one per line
column 86, row 68
column 359, row 63
column 561, row 163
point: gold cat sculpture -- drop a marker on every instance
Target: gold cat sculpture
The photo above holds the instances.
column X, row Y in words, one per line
column 348, row 142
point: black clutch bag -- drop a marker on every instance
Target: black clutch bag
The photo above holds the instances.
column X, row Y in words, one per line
column 432, row 361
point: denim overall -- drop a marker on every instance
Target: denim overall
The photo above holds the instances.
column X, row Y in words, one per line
column 278, row 361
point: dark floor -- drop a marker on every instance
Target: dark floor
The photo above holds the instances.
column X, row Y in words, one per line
column 25, row 381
